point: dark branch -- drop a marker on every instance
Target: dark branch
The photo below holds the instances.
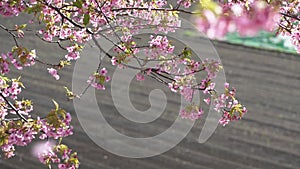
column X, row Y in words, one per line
column 13, row 107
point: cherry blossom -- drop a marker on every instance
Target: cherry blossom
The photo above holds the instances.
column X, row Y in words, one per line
column 249, row 17
column 72, row 24
column 98, row 79
column 53, row 72
column 191, row 112
column 140, row 77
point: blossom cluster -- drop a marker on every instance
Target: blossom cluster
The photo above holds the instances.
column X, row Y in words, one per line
column 71, row 24
column 59, row 154
column 143, row 14
column 159, row 46
column 229, row 105
column 19, row 57
column 11, row 8
column 180, row 71
column 83, row 19
column 18, row 128
column 218, row 19
column 191, row 112
column 53, row 72
column 247, row 17
column 185, row 3
column 289, row 23
column 10, row 87
column 98, row 79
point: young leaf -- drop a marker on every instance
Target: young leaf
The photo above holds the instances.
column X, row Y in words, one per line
column 86, row 19
column 78, row 3
column 56, row 105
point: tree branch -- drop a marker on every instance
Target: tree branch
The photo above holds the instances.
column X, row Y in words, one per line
column 291, row 16
column 157, row 9
column 13, row 107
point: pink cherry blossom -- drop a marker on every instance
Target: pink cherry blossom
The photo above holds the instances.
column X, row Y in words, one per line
column 98, row 79
column 53, row 72
column 140, row 77
column 191, row 112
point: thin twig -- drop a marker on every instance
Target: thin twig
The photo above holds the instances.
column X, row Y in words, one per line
column 13, row 107
column 12, row 34
column 156, row 9
column 291, row 16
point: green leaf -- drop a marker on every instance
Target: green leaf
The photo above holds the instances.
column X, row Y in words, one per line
column 5, row 79
column 69, row 93
column 102, row 80
column 2, row 141
column 62, row 112
column 187, row 53
column 34, row 9
column 78, row 3
column 86, row 19
column 60, row 140
column 22, row 26
column 53, row 119
column 56, row 105
column 23, row 59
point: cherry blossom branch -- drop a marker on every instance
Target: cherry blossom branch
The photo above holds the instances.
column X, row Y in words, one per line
column 48, row 64
column 109, row 55
column 57, row 42
column 291, row 16
column 164, row 76
column 154, row 76
column 10, row 32
column 285, row 28
column 156, row 9
column 67, row 18
column 13, row 107
column 107, row 21
column 12, row 119
column 115, row 33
